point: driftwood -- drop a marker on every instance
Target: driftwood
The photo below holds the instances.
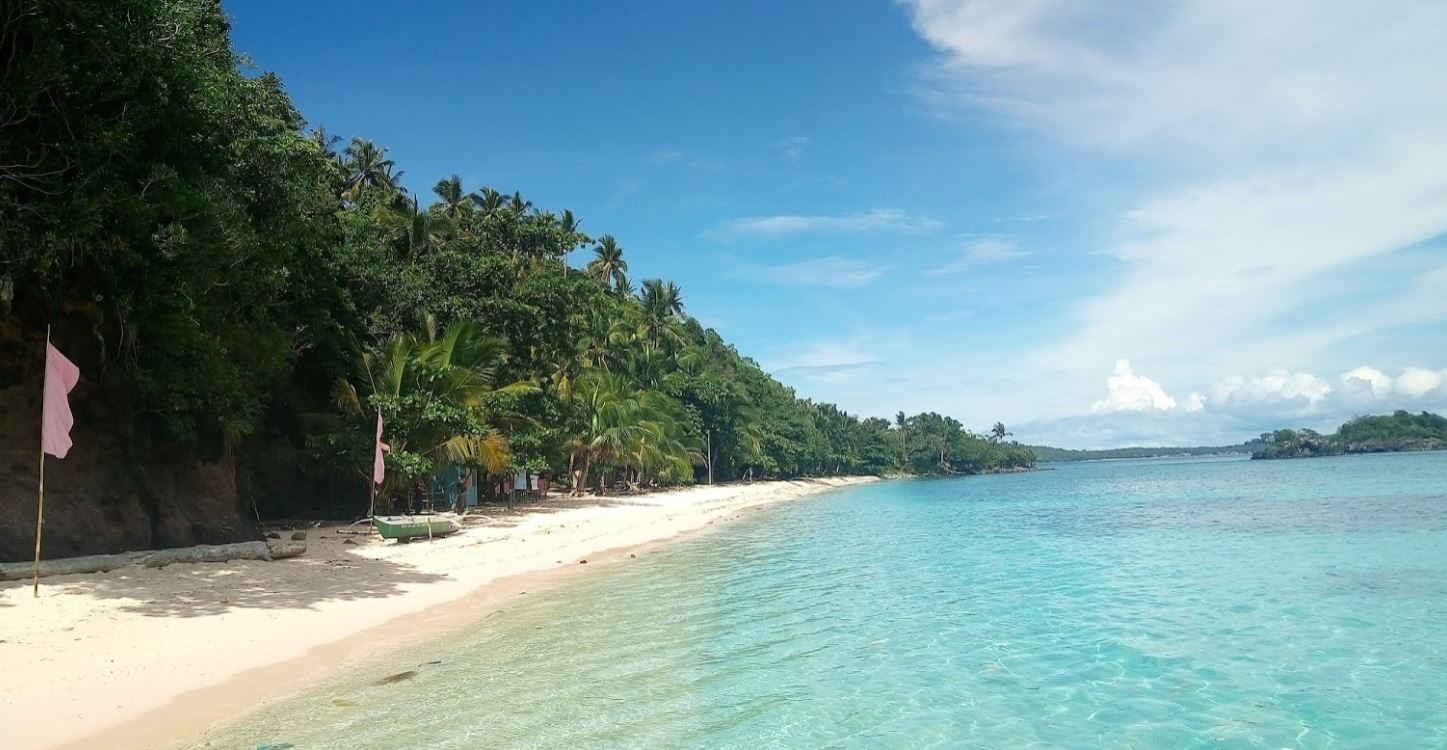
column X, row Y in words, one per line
column 203, row 553
column 66, row 566
column 283, row 550
column 208, row 553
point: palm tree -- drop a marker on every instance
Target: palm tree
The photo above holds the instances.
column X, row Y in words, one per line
column 624, row 428
column 455, row 202
column 998, row 432
column 491, row 201
column 662, row 304
column 325, row 142
column 432, row 388
column 608, row 266
column 422, row 232
column 901, row 424
column 519, row 206
column 366, row 164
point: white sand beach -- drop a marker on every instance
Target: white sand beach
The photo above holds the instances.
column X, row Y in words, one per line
column 133, row 658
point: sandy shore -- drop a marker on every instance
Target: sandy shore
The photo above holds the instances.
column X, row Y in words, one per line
column 133, row 658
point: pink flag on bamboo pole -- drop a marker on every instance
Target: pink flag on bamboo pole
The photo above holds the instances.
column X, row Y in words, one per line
column 61, row 375
column 379, row 467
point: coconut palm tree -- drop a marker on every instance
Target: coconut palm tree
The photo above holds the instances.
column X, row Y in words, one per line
column 453, row 200
column 998, row 432
column 490, row 201
column 422, row 232
column 366, row 164
column 608, row 265
column 628, row 429
column 520, row 207
column 901, row 424
column 432, row 388
column 662, row 304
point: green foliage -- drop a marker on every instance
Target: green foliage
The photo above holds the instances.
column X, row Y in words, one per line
column 1048, row 454
column 1398, row 431
column 236, row 266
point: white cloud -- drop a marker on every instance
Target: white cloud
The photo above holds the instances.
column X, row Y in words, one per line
column 877, row 220
column 1268, row 149
column 1302, row 388
column 1368, row 381
column 1127, row 391
column 793, row 147
column 1417, row 382
column 832, row 271
column 666, row 156
column 1219, row 75
column 978, row 252
column 1237, row 408
column 824, row 360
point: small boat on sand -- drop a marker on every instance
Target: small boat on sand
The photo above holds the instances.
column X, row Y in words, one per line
column 403, row 528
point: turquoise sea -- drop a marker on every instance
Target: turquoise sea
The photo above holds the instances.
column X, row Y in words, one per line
column 1185, row 603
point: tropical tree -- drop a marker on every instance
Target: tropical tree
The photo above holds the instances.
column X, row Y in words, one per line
column 998, row 432
column 367, row 165
column 433, row 390
column 901, row 425
column 454, row 202
column 421, row 231
column 608, row 265
column 662, row 304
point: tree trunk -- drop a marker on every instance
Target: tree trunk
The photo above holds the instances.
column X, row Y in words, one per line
column 708, row 450
column 582, row 480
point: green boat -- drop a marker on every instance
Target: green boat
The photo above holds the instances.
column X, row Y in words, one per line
column 403, row 528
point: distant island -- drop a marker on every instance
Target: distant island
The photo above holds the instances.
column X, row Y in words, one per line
column 1387, row 433
column 1045, row 453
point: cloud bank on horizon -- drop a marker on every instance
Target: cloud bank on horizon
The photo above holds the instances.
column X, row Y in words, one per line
column 1136, row 406
column 1277, row 206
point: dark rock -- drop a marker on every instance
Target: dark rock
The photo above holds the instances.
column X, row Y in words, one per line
column 298, row 536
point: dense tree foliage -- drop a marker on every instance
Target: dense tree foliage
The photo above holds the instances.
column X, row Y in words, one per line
column 1048, row 454
column 259, row 291
column 1398, row 431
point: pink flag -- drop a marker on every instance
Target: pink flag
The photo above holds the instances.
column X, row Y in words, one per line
column 379, row 468
column 55, row 421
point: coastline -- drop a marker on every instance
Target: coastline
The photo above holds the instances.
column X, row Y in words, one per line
column 147, row 658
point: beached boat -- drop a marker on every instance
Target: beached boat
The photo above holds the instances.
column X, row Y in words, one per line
column 403, row 528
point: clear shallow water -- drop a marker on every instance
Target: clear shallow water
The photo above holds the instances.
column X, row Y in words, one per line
column 1192, row 603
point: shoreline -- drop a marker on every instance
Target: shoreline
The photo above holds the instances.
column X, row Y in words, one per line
column 155, row 658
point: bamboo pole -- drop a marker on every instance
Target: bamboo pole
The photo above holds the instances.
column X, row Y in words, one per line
column 39, row 521
column 40, row 499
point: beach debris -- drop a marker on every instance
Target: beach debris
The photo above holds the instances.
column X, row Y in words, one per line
column 343, row 703
column 396, row 678
column 298, row 536
column 632, row 555
column 273, row 535
column 352, row 542
column 582, row 562
column 283, row 550
column 275, row 746
column 201, row 553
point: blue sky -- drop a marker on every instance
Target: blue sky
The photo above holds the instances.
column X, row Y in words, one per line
column 1099, row 224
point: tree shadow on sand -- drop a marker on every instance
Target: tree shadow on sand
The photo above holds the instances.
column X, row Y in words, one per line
column 199, row 590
